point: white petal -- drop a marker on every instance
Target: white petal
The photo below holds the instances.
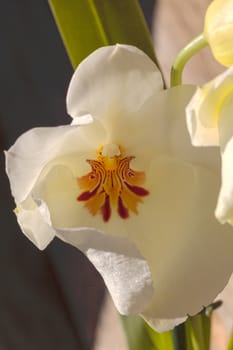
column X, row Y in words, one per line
column 224, row 210
column 175, row 133
column 154, row 127
column 112, row 80
column 197, row 109
column 204, row 109
column 31, row 219
column 125, row 272
column 59, row 190
column 189, row 253
column 158, row 126
column 163, row 325
column 37, row 147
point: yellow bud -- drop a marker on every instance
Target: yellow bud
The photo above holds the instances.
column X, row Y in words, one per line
column 218, row 30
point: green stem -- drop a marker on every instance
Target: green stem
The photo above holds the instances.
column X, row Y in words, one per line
column 184, row 56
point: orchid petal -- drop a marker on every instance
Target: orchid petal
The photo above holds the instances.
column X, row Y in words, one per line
column 166, row 111
column 163, row 325
column 177, row 250
column 123, row 74
column 204, row 108
column 31, row 220
column 174, row 131
column 224, row 210
column 125, row 272
column 37, row 147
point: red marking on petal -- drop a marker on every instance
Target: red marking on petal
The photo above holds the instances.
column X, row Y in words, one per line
column 122, row 210
column 140, row 191
column 106, row 209
column 85, row 196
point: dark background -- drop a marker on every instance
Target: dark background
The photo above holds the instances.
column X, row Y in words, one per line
column 50, row 299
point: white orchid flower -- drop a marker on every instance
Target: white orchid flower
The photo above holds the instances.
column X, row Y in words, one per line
column 124, row 185
column 209, row 120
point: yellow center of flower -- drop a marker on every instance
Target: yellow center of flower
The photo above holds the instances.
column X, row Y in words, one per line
column 111, row 183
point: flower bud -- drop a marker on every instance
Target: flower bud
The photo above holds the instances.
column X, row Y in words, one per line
column 218, row 30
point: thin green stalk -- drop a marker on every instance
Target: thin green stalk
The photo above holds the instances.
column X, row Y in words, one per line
column 184, row 56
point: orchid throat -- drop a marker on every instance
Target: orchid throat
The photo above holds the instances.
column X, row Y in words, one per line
column 111, row 183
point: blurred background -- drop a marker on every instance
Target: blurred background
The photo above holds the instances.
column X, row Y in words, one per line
column 55, row 299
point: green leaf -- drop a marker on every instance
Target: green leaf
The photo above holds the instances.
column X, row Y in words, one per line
column 136, row 333
column 198, row 332
column 194, row 334
column 161, row 341
column 141, row 336
column 179, row 337
column 86, row 25
column 198, row 328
